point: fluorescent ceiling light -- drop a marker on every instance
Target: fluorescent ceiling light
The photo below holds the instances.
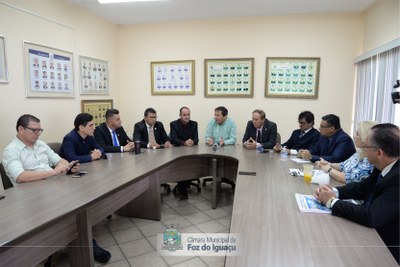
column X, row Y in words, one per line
column 126, row 1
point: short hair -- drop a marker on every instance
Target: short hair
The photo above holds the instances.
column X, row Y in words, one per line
column 261, row 112
column 111, row 112
column 182, row 108
column 308, row 116
column 386, row 137
column 332, row 120
column 82, row 119
column 224, row 110
column 149, row 110
column 25, row 119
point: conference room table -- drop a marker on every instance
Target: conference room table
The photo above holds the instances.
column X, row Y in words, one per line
column 41, row 217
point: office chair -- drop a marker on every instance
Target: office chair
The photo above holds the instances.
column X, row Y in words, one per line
column 55, row 146
column 194, row 182
column 4, row 178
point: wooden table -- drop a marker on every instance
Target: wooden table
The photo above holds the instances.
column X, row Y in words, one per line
column 39, row 218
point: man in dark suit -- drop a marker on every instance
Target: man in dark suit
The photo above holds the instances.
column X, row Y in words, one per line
column 304, row 138
column 334, row 145
column 380, row 191
column 259, row 131
column 111, row 136
column 184, row 133
column 150, row 132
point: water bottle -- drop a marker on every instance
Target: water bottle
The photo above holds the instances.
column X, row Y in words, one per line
column 259, row 148
column 284, row 153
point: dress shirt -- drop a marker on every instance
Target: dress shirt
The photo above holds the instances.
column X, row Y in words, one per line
column 74, row 147
column 17, row 158
column 355, row 169
column 226, row 130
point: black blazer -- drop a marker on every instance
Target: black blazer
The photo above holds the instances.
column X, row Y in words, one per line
column 103, row 137
column 180, row 133
column 140, row 133
column 383, row 210
column 268, row 133
column 308, row 141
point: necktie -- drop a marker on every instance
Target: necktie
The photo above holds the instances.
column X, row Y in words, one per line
column 115, row 140
column 302, row 134
column 258, row 136
column 152, row 139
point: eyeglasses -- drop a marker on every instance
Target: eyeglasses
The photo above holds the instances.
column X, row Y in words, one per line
column 302, row 122
column 35, row 130
column 325, row 126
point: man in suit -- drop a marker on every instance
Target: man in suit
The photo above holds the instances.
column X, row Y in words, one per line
column 111, row 136
column 259, row 131
column 304, row 138
column 150, row 132
column 184, row 133
column 380, row 191
column 334, row 145
column 79, row 144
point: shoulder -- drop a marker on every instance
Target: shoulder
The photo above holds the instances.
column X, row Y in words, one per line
column 159, row 124
column 270, row 123
column 174, row 123
column 140, row 124
column 342, row 135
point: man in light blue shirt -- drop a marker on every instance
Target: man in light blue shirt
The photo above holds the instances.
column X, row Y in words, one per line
column 221, row 130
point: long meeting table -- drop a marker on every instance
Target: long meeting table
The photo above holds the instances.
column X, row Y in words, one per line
column 39, row 218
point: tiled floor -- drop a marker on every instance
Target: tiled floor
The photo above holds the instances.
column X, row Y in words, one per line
column 132, row 241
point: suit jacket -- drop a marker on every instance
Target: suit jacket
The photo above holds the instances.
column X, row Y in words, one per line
column 336, row 148
column 268, row 133
column 140, row 133
column 383, row 211
column 103, row 137
column 307, row 141
column 74, row 147
column 180, row 132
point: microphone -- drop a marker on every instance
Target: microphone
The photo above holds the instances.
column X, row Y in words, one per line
column 215, row 147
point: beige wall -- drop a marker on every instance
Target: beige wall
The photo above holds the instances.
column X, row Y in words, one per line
column 84, row 34
column 336, row 39
column 381, row 24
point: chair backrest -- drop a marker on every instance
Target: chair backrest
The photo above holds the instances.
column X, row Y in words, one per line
column 55, row 146
column 4, row 178
column 278, row 138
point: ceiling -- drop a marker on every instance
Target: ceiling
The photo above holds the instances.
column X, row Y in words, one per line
column 181, row 10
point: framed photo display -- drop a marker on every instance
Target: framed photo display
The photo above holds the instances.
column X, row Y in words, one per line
column 93, row 76
column 48, row 71
column 172, row 77
column 97, row 108
column 292, row 77
column 3, row 61
column 232, row 77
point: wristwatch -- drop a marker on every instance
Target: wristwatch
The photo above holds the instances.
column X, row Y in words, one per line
column 329, row 202
column 329, row 170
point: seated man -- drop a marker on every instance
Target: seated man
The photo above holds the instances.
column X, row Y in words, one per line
column 259, row 131
column 79, row 144
column 304, row 138
column 334, row 145
column 380, row 191
column 221, row 130
column 184, row 133
column 27, row 159
column 150, row 132
column 111, row 136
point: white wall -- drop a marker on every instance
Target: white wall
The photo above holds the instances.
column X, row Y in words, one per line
column 336, row 39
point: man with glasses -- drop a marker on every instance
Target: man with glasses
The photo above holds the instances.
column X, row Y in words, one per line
column 334, row 145
column 28, row 159
column 304, row 138
column 79, row 144
column 259, row 131
column 150, row 132
column 379, row 192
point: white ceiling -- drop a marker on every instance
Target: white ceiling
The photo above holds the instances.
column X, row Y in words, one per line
column 180, row 10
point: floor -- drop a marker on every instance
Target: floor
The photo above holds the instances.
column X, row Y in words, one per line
column 132, row 241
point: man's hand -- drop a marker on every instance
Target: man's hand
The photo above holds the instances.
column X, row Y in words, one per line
column 304, row 154
column 250, row 144
column 188, row 142
column 210, row 142
column 324, row 193
column 95, row 154
column 167, row 144
column 129, row 147
column 277, row 148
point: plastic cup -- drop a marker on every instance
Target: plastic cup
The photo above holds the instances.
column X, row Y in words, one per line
column 307, row 170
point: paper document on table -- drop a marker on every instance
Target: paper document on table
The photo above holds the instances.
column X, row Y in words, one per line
column 308, row 203
column 300, row 160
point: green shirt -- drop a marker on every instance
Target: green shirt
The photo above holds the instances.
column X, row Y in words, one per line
column 226, row 130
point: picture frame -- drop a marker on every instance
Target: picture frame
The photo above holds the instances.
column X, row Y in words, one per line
column 97, row 108
column 93, row 76
column 292, row 77
column 48, row 71
column 3, row 61
column 229, row 77
column 173, row 77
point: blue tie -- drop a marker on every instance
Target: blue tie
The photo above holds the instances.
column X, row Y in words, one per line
column 115, row 140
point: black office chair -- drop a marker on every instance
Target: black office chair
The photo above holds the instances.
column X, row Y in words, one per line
column 193, row 182
column 4, row 178
column 55, row 146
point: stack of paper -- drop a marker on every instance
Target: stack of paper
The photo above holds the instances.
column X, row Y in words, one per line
column 308, row 203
